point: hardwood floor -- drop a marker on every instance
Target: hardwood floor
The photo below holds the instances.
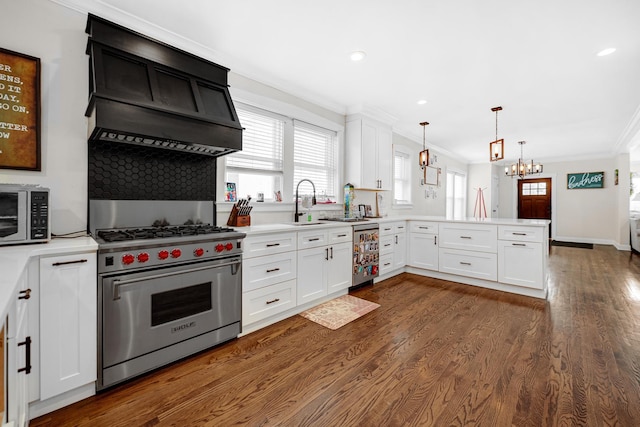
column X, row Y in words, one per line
column 435, row 353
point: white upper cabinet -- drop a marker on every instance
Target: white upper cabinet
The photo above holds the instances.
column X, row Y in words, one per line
column 369, row 153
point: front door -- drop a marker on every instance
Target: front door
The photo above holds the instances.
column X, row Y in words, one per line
column 534, row 199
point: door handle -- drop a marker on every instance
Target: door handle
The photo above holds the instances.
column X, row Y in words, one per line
column 79, row 261
column 27, row 358
column 117, row 284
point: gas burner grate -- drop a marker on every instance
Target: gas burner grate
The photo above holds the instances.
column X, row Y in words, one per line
column 119, row 235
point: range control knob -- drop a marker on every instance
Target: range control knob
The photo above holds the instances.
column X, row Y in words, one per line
column 163, row 254
column 219, row 247
column 143, row 257
column 198, row 252
column 128, row 259
column 228, row 246
column 175, row 253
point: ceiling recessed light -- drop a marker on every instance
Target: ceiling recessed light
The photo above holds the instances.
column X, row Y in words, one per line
column 358, row 55
column 422, row 102
column 607, row 51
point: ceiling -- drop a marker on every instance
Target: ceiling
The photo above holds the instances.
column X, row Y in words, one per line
column 536, row 59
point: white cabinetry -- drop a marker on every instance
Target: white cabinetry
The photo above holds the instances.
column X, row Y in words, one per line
column 68, row 322
column 17, row 358
column 324, row 265
column 393, row 246
column 268, row 277
column 369, row 153
column 521, row 259
column 469, row 250
column 423, row 245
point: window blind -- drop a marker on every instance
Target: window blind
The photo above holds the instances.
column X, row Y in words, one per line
column 315, row 157
column 262, row 142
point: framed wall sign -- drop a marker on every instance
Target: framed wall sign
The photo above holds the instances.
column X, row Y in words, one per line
column 19, row 111
column 585, row 180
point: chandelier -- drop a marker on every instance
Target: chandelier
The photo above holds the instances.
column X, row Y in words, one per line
column 522, row 168
column 496, row 148
column 423, row 157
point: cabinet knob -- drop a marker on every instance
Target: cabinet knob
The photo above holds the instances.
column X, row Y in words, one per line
column 26, row 294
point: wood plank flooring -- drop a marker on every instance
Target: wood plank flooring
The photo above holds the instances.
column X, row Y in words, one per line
column 435, row 353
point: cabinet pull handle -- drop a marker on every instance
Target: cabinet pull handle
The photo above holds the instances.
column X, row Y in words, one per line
column 273, row 269
column 387, row 263
column 314, row 239
column 465, row 237
column 435, row 240
column 519, row 234
column 423, row 227
column 27, row 358
column 331, row 248
column 342, row 235
column 387, row 244
column 272, row 244
column 465, row 263
column 273, row 300
column 26, row 294
column 518, row 244
column 326, row 256
column 79, row 261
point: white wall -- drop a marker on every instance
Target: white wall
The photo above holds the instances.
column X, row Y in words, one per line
column 56, row 35
column 584, row 215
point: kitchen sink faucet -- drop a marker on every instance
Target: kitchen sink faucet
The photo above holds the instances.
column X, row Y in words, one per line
column 313, row 201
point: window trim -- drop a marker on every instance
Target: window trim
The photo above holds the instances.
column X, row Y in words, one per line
column 405, row 152
column 464, row 192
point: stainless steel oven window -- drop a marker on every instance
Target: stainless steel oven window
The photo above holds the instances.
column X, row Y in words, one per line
column 180, row 303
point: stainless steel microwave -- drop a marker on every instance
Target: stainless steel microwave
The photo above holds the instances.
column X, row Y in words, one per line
column 24, row 214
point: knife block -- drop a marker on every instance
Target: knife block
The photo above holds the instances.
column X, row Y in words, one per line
column 236, row 220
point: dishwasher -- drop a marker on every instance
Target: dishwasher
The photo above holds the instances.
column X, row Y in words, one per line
column 365, row 254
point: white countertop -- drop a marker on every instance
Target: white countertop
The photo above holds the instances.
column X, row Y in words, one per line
column 289, row 227
column 14, row 259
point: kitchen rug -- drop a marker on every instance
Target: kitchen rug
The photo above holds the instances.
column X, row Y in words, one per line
column 339, row 311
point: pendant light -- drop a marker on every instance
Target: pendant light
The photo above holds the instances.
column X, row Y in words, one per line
column 423, row 157
column 522, row 168
column 496, row 148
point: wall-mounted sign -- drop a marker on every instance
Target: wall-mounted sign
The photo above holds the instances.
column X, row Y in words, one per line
column 585, row 180
column 19, row 111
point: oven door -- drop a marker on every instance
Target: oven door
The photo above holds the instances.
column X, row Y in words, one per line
column 13, row 216
column 146, row 311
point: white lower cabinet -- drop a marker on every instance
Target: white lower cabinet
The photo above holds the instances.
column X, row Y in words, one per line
column 393, row 246
column 423, row 245
column 68, row 322
column 312, row 274
column 521, row 264
column 339, row 267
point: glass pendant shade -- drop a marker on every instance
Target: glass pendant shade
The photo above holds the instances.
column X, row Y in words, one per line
column 423, row 158
column 496, row 150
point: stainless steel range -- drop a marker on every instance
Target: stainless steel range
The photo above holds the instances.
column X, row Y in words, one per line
column 164, row 292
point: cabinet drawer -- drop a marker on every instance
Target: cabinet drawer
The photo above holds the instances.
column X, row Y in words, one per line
column 520, row 233
column 483, row 238
column 386, row 263
column 423, row 227
column 388, row 228
column 387, row 244
column 268, row 244
column 340, row 235
column 312, row 239
column 265, row 302
column 267, row 270
column 480, row 265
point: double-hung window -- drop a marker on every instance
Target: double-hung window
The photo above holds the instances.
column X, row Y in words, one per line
column 401, row 177
column 315, row 157
column 258, row 168
column 456, row 194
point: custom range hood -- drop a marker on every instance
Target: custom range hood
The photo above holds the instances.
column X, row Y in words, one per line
column 145, row 92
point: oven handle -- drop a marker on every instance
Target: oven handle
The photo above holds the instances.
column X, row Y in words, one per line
column 118, row 283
